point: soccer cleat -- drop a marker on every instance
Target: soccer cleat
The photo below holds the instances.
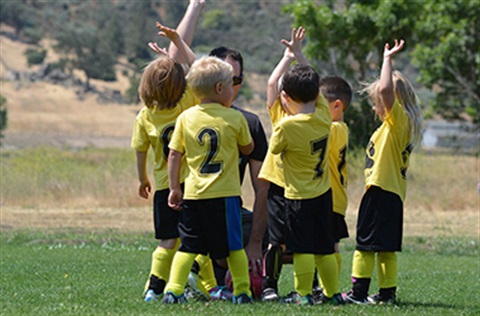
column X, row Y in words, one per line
column 350, row 298
column 269, row 295
column 378, row 299
column 196, row 289
column 220, row 293
column 317, row 293
column 170, row 298
column 150, row 296
column 295, row 298
column 336, row 299
column 242, row 299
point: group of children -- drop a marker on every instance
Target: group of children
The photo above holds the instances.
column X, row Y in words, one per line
column 197, row 139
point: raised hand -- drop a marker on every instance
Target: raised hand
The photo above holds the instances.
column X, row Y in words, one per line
column 167, row 32
column 389, row 53
column 157, row 49
column 294, row 46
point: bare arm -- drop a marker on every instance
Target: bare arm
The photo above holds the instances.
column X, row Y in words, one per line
column 175, row 197
column 185, row 54
column 259, row 220
column 293, row 50
column 145, row 187
column 186, row 28
column 386, row 81
column 247, row 149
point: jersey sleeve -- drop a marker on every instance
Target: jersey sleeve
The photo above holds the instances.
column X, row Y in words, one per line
column 278, row 141
column 397, row 118
column 244, row 137
column 140, row 140
column 177, row 142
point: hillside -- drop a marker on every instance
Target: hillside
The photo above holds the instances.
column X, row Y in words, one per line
column 42, row 113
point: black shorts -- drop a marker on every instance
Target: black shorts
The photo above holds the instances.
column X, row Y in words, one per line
column 340, row 229
column 276, row 215
column 309, row 225
column 165, row 219
column 380, row 221
column 211, row 226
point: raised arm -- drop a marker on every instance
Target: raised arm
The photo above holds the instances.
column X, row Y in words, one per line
column 186, row 28
column 188, row 56
column 386, row 81
column 293, row 51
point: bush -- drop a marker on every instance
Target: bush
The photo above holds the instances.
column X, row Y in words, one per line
column 34, row 56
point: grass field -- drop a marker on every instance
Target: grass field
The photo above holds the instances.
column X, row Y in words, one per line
column 78, row 272
column 76, row 240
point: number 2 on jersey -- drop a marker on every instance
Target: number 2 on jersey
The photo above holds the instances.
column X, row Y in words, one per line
column 209, row 165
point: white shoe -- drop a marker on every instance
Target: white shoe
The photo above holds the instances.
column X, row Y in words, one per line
column 150, row 296
column 196, row 288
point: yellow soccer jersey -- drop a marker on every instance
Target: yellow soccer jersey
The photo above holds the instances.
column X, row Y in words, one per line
column 272, row 166
column 388, row 153
column 302, row 140
column 154, row 128
column 337, row 158
column 209, row 135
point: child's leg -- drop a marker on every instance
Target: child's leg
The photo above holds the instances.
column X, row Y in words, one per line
column 161, row 262
column 207, row 275
column 328, row 270
column 303, row 270
column 362, row 270
column 387, row 272
column 181, row 265
column 238, row 265
column 273, row 266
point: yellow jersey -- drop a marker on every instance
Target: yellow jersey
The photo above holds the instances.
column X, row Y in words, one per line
column 337, row 158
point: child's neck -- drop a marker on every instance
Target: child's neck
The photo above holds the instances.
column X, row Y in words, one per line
column 302, row 108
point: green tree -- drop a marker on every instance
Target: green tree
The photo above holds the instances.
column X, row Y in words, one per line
column 347, row 39
column 86, row 42
column 448, row 55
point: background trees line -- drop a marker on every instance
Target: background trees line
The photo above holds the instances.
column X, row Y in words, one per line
column 344, row 38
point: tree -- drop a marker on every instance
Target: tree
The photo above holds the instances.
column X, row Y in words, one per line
column 86, row 43
column 347, row 39
column 448, row 56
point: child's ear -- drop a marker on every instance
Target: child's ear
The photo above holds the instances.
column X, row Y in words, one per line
column 285, row 95
column 218, row 87
column 338, row 104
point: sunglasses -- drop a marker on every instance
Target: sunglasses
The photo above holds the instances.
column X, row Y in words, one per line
column 237, row 80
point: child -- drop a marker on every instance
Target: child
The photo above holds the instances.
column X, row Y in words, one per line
column 164, row 91
column 209, row 135
column 380, row 217
column 272, row 172
column 338, row 94
column 302, row 140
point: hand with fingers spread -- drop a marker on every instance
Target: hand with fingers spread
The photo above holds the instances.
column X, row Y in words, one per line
column 157, row 49
column 294, row 46
column 390, row 53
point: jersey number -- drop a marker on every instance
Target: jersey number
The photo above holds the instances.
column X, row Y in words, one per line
column 209, row 165
column 319, row 146
column 342, row 164
column 165, row 138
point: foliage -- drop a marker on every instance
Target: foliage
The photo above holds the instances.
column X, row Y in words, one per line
column 347, row 39
column 35, row 56
column 448, row 56
column 3, row 116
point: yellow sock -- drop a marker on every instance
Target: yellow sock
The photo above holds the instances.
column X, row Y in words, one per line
column 181, row 265
column 328, row 269
column 338, row 257
column 363, row 264
column 161, row 264
column 206, row 274
column 303, row 271
column 387, row 269
column 238, row 265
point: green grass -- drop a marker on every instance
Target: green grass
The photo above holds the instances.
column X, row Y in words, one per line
column 78, row 272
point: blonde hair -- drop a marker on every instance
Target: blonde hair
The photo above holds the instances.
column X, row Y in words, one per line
column 405, row 94
column 162, row 84
column 206, row 72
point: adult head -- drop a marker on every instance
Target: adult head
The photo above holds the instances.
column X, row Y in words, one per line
column 235, row 59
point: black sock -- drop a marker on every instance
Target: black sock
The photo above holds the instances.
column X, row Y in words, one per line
column 273, row 267
column 360, row 287
column 156, row 284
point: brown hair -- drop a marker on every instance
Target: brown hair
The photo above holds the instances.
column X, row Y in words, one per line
column 162, row 84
